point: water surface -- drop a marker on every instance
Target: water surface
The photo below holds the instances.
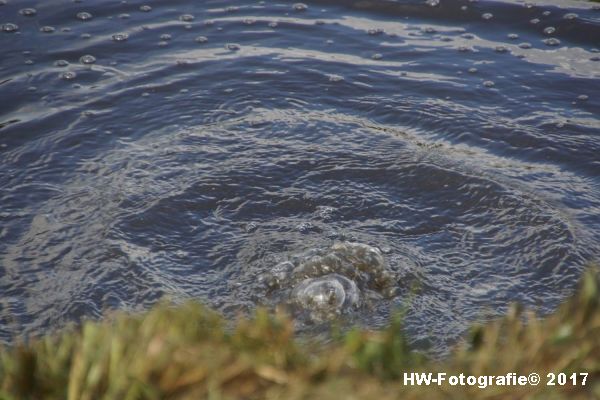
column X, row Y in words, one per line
column 188, row 149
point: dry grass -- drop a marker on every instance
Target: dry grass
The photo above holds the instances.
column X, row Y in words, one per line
column 185, row 353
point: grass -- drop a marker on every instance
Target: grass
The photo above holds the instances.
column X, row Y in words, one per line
column 186, row 353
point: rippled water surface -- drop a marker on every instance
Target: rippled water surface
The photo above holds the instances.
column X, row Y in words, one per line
column 340, row 158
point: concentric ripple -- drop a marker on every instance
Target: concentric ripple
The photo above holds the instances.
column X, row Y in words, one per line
column 327, row 295
column 341, row 159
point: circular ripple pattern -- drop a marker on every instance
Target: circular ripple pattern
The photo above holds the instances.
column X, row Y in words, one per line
column 327, row 296
column 342, row 161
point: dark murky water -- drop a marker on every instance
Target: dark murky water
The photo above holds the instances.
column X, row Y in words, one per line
column 342, row 158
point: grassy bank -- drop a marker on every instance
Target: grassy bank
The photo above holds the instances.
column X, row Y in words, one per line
column 185, row 353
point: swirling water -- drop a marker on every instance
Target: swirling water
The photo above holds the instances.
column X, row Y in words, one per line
column 356, row 157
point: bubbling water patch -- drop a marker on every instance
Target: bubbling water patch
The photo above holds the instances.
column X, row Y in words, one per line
column 324, row 283
column 328, row 295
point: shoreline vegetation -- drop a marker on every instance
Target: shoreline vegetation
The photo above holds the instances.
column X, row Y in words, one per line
column 185, row 352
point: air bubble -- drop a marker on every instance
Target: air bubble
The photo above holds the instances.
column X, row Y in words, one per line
column 61, row 63
column 273, row 24
column 546, row 13
column 186, row 18
column 570, row 16
column 278, row 275
column 534, row 21
column 375, row 31
column 87, row 59
column 300, row 7
column 305, row 227
column 124, row 16
column 232, row 46
column 513, row 36
column 335, row 78
column 120, row 37
column 84, row 16
column 487, row 16
column 10, row 28
column 325, row 212
column 68, row 75
column 500, row 49
column 28, row 12
column 525, row 45
column 467, row 36
column 201, row 39
column 249, row 21
column 85, row 36
column 489, row 84
column 377, row 56
column 29, row 62
column 47, row 29
column 549, row 30
column 165, row 37
column 432, row 3
column 472, row 70
column 583, row 97
column 145, row 8
column 551, row 42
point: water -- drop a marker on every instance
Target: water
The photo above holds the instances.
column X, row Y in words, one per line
column 341, row 159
